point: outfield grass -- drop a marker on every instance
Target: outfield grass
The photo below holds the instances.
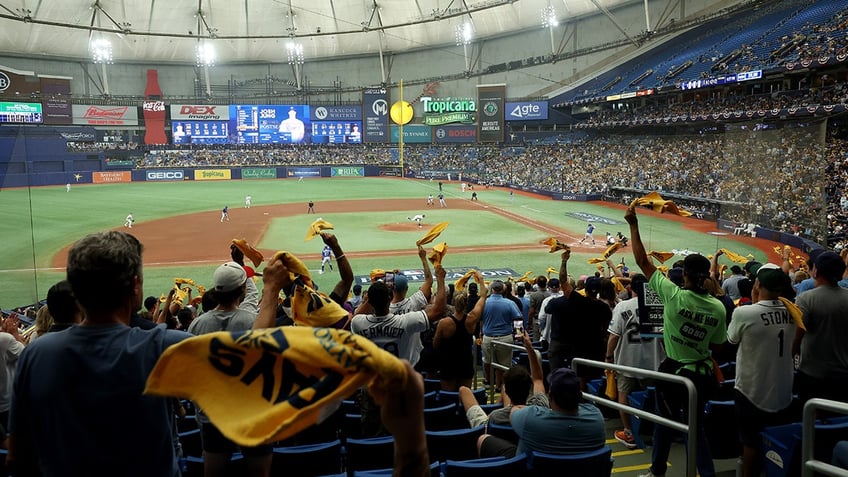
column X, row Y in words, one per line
column 40, row 221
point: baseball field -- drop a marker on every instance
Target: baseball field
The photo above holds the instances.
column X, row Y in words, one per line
column 181, row 229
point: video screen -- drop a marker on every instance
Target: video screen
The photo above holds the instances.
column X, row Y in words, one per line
column 336, row 132
column 199, row 132
column 269, row 124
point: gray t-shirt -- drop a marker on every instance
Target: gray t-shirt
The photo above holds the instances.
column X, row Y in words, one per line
column 501, row 416
column 215, row 320
column 823, row 350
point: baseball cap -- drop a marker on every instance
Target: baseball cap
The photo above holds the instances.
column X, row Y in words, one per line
column 228, row 277
column 563, row 381
column 553, row 283
column 753, row 267
column 676, row 276
column 497, row 286
column 772, row 278
column 593, row 285
column 830, row 266
column 814, row 254
column 401, row 282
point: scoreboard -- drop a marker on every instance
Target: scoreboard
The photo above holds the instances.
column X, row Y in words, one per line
column 30, row 113
column 269, row 124
column 199, row 132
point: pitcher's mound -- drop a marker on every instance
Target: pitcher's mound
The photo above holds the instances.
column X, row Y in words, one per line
column 404, row 227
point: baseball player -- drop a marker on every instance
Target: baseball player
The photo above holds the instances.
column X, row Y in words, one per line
column 326, row 255
column 430, row 202
column 68, row 187
column 417, row 218
column 589, row 229
column 129, row 221
column 225, row 213
column 442, row 200
column 311, row 208
column 247, row 201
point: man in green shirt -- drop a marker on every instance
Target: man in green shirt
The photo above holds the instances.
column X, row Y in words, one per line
column 693, row 322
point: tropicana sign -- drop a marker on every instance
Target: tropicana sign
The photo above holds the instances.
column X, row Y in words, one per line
column 448, row 110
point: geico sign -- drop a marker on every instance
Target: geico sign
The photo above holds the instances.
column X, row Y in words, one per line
column 462, row 133
column 165, row 175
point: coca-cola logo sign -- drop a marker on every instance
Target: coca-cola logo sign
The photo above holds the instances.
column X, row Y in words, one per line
column 154, row 106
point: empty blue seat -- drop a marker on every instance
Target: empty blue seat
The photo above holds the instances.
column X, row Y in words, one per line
column 435, row 471
column 456, row 444
column 597, row 463
column 432, row 385
column 448, row 397
column 721, row 431
column 443, row 418
column 488, row 467
column 307, row 460
column 370, row 454
column 431, row 399
column 190, row 441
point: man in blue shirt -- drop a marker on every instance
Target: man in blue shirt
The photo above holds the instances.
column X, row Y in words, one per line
column 498, row 316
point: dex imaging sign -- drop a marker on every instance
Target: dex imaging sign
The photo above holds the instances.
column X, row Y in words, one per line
column 527, row 111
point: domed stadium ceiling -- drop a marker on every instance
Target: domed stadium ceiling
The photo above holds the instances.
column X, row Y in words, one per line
column 259, row 30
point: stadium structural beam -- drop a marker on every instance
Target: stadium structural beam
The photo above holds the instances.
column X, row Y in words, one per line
column 609, row 15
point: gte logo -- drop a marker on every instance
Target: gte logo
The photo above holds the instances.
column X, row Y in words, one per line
column 380, row 107
column 525, row 110
column 5, row 82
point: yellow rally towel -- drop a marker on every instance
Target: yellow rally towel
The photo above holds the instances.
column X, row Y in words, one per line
column 795, row 312
column 262, row 386
column 296, row 268
column 184, row 281
column 663, row 269
column 555, row 244
column 611, row 390
column 734, row 257
column 662, row 257
column 525, row 277
column 460, row 284
column 607, row 253
column 551, row 270
column 251, row 253
column 313, row 308
column 619, row 287
column 315, row 229
column 655, row 201
column 377, row 274
column 433, row 233
column 439, row 251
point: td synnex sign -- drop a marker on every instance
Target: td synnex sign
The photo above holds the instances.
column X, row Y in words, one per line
column 165, row 175
column 448, row 110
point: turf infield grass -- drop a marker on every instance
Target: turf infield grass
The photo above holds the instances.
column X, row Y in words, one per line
column 59, row 218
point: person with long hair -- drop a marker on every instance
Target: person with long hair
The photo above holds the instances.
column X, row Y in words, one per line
column 454, row 336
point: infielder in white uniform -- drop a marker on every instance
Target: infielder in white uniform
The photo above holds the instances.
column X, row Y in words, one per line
column 129, row 221
column 247, row 200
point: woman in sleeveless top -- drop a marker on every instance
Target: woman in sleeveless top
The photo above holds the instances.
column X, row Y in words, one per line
column 454, row 336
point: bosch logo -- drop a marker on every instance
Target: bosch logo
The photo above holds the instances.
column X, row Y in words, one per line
column 490, row 108
column 321, row 113
column 462, row 133
column 440, row 133
column 5, row 82
column 380, row 107
column 165, row 175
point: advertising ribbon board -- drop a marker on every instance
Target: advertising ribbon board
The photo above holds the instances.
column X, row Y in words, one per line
column 376, row 115
column 259, row 173
column 166, row 175
column 347, row 171
column 212, row 174
column 111, row 177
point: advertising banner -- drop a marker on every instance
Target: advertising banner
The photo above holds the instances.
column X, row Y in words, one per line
column 490, row 102
column 111, row 177
column 154, row 122
column 413, row 133
column 21, row 113
column 270, row 124
column 376, row 115
column 455, row 134
column 165, row 175
column 303, row 172
column 527, row 111
column 92, row 115
column 110, row 162
column 336, row 113
column 199, row 112
column 439, row 111
column 212, row 174
column 259, row 173
column 347, row 171
column 17, row 82
column 389, row 171
column 55, row 100
column 78, row 134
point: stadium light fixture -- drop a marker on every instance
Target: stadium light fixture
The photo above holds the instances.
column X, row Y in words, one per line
column 205, row 54
column 294, row 53
column 101, row 50
column 549, row 21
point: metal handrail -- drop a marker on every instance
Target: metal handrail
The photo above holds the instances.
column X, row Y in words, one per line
column 493, row 365
column 809, row 464
column 690, row 429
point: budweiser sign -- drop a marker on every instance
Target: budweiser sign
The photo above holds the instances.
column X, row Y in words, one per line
column 95, row 115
